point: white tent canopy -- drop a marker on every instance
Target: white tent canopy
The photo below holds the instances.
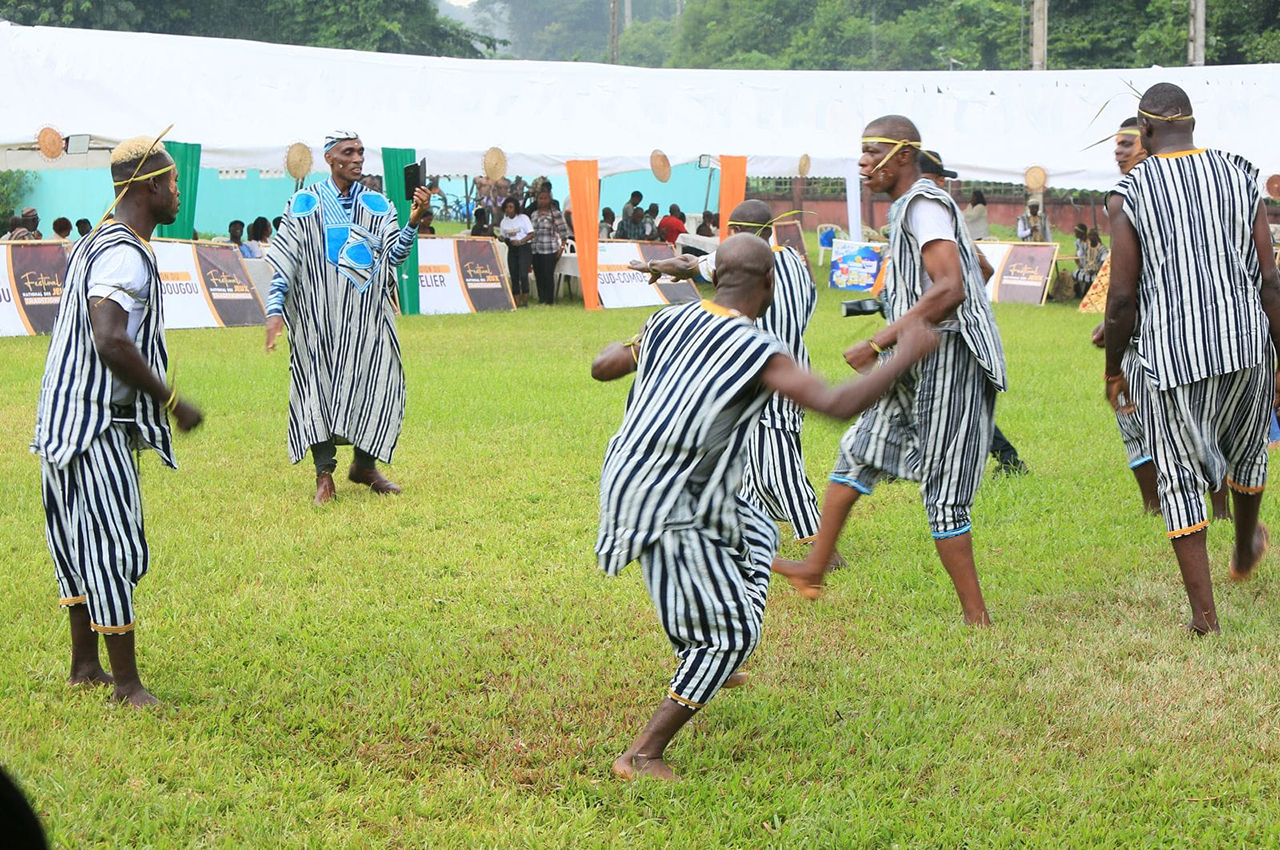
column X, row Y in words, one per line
column 245, row 102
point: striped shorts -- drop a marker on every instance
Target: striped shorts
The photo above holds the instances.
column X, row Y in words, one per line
column 1132, row 431
column 93, row 524
column 710, row 600
column 774, row 478
column 934, row 426
column 1205, row 432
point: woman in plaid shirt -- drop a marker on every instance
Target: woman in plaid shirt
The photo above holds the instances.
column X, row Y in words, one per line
column 549, row 233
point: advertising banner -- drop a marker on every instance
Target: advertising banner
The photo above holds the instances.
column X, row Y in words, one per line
column 858, row 266
column 461, row 276
column 622, row 286
column 1024, row 270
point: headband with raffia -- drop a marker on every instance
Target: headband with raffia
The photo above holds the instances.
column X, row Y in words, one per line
column 898, row 144
column 136, row 178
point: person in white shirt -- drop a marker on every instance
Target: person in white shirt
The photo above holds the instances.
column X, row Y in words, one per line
column 517, row 231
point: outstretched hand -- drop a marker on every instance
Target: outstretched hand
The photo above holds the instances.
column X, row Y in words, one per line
column 647, row 268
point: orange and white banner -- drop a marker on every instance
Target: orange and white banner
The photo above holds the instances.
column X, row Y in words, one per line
column 622, row 286
column 461, row 276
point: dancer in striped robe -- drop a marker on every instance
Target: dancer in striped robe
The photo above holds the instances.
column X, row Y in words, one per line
column 103, row 396
column 775, row 477
column 935, row 425
column 669, row 487
column 1192, row 269
column 334, row 258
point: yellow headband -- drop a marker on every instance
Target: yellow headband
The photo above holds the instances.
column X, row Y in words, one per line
column 898, row 144
column 1155, row 117
column 138, row 178
column 758, row 226
column 1128, row 131
column 134, row 176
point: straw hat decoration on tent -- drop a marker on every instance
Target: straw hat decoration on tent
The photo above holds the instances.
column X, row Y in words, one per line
column 1036, row 179
column 49, row 143
column 1273, row 186
column 660, row 166
column 805, row 165
column 495, row 163
column 298, row 161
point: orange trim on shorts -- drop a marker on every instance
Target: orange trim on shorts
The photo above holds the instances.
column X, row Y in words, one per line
column 1190, row 529
column 68, row 601
column 1251, row 491
column 111, row 630
column 687, row 703
column 809, row 539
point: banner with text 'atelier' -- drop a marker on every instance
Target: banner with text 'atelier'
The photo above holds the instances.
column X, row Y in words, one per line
column 623, row 286
column 461, row 276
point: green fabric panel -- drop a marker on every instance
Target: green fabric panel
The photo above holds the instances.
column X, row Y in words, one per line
column 393, row 162
column 187, row 158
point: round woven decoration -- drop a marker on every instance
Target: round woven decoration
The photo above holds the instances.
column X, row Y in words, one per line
column 495, row 163
column 805, row 165
column 660, row 166
column 49, row 143
column 1273, row 186
column 1036, row 178
column 298, row 160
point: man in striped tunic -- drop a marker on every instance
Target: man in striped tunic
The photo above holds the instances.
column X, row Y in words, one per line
column 334, row 286
column 935, row 426
column 669, row 487
column 775, row 477
column 102, row 397
column 1192, row 269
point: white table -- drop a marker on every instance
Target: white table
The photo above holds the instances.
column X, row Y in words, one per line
column 703, row 243
column 567, row 269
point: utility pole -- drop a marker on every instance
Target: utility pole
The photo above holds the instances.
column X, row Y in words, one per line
column 613, row 31
column 626, row 15
column 1039, row 34
column 1195, row 33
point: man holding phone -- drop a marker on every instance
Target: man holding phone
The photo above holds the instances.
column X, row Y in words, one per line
column 335, row 256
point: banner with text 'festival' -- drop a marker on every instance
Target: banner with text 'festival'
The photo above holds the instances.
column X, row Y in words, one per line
column 461, row 276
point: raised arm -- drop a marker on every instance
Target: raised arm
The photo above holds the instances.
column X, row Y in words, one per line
column 1270, row 290
column 1122, row 306
column 111, row 339
column 847, row 400
column 681, row 267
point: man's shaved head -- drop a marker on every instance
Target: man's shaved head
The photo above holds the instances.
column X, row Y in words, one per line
column 896, row 127
column 744, row 263
column 747, row 213
column 1165, row 99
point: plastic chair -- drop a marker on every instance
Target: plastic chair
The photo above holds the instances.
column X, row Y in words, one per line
column 824, row 251
column 563, row 285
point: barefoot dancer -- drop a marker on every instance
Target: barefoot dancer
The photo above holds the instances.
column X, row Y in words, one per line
column 1205, row 297
column 103, row 396
column 935, row 426
column 669, row 488
column 774, row 478
column 335, row 256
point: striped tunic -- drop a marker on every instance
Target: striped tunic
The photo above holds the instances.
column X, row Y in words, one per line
column 75, row 393
column 677, row 460
column 346, row 377
column 1199, row 309
column 904, row 282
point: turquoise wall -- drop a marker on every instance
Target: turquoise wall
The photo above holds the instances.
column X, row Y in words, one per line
column 86, row 193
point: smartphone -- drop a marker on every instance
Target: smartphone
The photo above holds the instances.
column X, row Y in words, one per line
column 413, row 178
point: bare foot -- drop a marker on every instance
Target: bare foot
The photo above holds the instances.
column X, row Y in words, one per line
column 837, row 561
column 982, row 619
column 1261, row 543
column 1201, row 628
column 736, row 680
column 633, row 765
column 138, row 697
column 805, row 579
column 90, row 674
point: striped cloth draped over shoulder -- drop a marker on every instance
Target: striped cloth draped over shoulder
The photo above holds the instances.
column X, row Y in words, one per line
column 794, row 299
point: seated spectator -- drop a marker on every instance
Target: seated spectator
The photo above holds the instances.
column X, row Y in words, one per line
column 83, row 226
column 651, row 223
column 607, row 218
column 636, row 198
column 1082, row 242
column 482, row 226
column 426, row 227
column 259, row 239
column 671, row 226
column 1095, row 253
column 704, row 226
column 62, row 228
column 235, row 232
column 632, row 228
column 715, row 224
column 25, row 226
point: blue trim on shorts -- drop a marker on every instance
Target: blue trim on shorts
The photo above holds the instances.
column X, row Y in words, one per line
column 1140, row 461
column 851, row 482
column 943, row 535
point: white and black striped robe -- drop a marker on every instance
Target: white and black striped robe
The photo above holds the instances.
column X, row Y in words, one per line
column 346, row 378
column 669, row 490
column 75, row 392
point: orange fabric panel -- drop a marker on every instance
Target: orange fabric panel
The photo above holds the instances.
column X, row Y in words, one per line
column 584, row 190
column 733, row 189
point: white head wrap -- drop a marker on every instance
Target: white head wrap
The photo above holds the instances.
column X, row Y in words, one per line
column 338, row 136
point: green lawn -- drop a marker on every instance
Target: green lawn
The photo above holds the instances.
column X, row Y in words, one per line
column 448, row 668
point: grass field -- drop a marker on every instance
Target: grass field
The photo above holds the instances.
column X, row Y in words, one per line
column 448, row 668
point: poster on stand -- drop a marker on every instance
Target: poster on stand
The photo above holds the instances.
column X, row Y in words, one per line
column 461, row 276
column 623, row 286
column 858, row 266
